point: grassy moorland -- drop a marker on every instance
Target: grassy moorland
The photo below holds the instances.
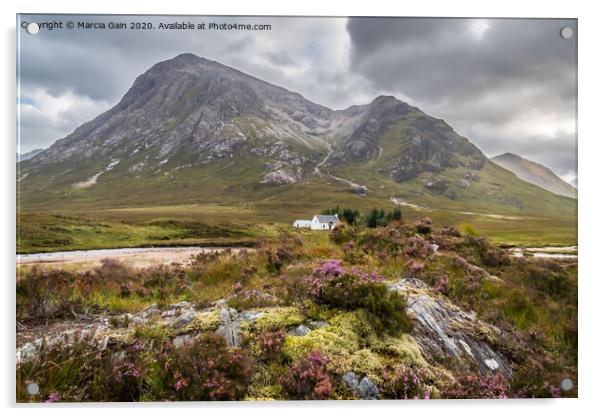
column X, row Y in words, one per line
column 305, row 309
column 247, row 224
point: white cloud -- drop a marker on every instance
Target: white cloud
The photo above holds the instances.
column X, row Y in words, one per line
column 44, row 118
column 478, row 28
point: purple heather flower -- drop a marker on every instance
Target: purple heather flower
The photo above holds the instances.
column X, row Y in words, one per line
column 53, row 397
column 332, row 267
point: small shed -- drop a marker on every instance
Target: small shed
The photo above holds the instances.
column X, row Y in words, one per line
column 302, row 224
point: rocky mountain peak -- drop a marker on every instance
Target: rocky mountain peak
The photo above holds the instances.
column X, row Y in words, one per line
column 191, row 111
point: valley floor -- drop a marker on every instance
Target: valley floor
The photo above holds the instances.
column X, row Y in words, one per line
column 246, row 225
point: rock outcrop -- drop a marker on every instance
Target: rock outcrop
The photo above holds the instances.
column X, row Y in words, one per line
column 445, row 332
column 447, row 335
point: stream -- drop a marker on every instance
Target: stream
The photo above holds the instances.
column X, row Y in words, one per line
column 569, row 252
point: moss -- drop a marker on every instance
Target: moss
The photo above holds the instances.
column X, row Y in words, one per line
column 278, row 318
column 266, row 382
column 406, row 350
column 345, row 334
column 319, row 312
column 156, row 332
column 266, row 393
column 365, row 362
column 206, row 321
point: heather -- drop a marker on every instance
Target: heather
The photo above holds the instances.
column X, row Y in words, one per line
column 348, row 314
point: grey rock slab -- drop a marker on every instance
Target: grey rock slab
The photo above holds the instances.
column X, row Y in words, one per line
column 367, row 390
column 181, row 305
column 184, row 319
column 442, row 329
column 152, row 310
column 229, row 326
column 317, row 324
column 249, row 315
column 299, row 331
column 351, row 381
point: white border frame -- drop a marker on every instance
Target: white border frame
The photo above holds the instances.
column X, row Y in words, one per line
column 590, row 151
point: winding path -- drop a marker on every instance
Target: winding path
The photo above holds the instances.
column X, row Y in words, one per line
column 317, row 171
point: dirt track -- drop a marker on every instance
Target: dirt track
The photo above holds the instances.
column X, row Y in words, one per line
column 136, row 257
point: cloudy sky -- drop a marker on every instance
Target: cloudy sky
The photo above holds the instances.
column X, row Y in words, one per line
column 507, row 85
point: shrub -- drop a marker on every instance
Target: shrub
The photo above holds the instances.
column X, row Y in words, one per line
column 405, row 382
column 57, row 293
column 423, row 225
column 337, row 288
column 477, row 387
column 80, row 371
column 386, row 241
column 442, row 284
column 479, row 249
column 205, row 369
column 469, row 229
column 417, row 247
column 39, row 294
column 307, row 378
column 277, row 257
column 376, row 218
column 415, row 266
column 551, row 280
column 249, row 299
column 270, row 343
column 341, row 233
column 349, row 215
column 451, row 232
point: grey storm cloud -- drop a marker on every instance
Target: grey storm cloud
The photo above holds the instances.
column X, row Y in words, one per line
column 486, row 77
column 504, row 84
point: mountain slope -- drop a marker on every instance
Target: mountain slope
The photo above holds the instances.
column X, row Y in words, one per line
column 28, row 155
column 535, row 173
column 193, row 131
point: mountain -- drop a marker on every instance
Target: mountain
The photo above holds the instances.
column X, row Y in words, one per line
column 28, row 155
column 535, row 173
column 191, row 131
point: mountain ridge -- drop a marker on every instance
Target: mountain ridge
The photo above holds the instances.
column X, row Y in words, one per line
column 535, row 173
column 29, row 155
column 192, row 129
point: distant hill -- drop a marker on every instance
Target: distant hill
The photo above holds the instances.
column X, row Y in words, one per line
column 191, row 130
column 535, row 173
column 28, row 155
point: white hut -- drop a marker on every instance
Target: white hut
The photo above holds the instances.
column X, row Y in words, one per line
column 324, row 222
column 302, row 224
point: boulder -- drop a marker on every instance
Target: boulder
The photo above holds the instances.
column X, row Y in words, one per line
column 299, row 331
column 350, row 380
column 367, row 390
